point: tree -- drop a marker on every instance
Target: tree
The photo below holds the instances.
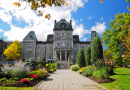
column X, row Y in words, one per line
column 80, row 58
column 108, row 57
column 18, row 45
column 88, row 56
column 97, row 50
column 1, row 38
column 114, row 38
column 37, row 4
column 13, row 51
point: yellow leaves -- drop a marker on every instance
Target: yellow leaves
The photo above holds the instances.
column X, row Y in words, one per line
column 118, row 28
column 101, row 1
column 67, row 4
column 11, row 52
column 47, row 16
column 17, row 4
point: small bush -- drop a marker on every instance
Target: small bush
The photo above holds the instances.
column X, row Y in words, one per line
column 74, row 67
column 51, row 70
column 40, row 66
column 88, row 71
column 101, row 73
column 19, row 70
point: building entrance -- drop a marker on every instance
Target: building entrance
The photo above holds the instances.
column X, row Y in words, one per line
column 63, row 56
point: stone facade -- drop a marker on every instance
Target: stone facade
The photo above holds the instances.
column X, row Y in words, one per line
column 62, row 45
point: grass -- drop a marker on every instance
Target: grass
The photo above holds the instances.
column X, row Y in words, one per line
column 122, row 82
column 15, row 88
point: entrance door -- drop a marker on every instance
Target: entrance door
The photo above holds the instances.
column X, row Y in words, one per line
column 63, row 56
column 58, row 55
column 68, row 54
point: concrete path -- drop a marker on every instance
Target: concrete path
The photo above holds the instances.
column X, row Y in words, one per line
column 68, row 80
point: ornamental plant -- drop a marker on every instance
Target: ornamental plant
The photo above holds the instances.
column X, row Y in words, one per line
column 74, row 67
column 18, row 70
column 25, row 80
column 35, row 76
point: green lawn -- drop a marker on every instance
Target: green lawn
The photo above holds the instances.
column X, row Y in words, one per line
column 15, row 88
column 122, row 82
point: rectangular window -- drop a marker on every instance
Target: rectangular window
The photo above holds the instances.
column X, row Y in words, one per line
column 43, row 48
column 38, row 48
column 26, row 48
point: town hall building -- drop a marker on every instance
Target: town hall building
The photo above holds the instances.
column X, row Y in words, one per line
column 62, row 45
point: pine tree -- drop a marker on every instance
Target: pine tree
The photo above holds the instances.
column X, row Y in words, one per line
column 88, row 56
column 80, row 58
column 97, row 50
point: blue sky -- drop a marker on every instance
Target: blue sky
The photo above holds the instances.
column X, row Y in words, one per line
column 15, row 23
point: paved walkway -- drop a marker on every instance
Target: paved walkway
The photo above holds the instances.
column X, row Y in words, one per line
column 68, row 80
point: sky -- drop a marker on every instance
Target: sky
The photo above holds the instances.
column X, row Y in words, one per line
column 86, row 16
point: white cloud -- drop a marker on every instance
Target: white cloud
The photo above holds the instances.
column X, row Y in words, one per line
column 99, row 27
column 79, row 30
column 90, row 17
column 85, row 39
column 1, row 30
column 40, row 25
column 80, row 20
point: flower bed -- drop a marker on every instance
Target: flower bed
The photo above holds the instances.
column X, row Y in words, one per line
column 20, row 75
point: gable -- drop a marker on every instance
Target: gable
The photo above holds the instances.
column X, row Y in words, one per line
column 30, row 36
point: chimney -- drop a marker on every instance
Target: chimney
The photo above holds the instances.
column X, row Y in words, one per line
column 55, row 21
column 70, row 22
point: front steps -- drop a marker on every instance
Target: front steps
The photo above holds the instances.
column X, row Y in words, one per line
column 63, row 64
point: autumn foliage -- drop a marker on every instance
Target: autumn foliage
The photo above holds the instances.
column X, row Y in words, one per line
column 125, row 38
column 35, row 4
column 11, row 52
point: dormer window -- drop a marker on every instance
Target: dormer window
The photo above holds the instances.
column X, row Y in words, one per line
column 63, row 26
column 57, row 34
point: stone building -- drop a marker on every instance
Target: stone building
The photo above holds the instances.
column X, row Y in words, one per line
column 61, row 45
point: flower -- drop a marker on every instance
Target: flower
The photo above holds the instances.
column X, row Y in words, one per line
column 35, row 76
column 25, row 80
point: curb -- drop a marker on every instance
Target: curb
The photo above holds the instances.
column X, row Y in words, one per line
column 36, row 87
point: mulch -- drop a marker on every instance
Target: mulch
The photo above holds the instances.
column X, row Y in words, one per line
column 109, row 80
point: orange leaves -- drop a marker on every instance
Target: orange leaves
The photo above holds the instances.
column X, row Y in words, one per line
column 47, row 16
column 17, row 4
column 101, row 1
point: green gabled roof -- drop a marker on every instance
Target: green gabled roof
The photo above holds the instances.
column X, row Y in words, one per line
column 93, row 35
column 31, row 36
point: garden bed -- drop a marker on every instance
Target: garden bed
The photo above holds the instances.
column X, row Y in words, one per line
column 109, row 80
column 15, row 83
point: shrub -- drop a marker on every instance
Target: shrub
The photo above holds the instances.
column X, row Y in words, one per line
column 41, row 73
column 51, row 70
column 40, row 65
column 35, row 76
column 19, row 70
column 80, row 58
column 101, row 73
column 88, row 71
column 9, row 82
column 25, row 80
column 97, row 50
column 88, row 56
column 74, row 67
